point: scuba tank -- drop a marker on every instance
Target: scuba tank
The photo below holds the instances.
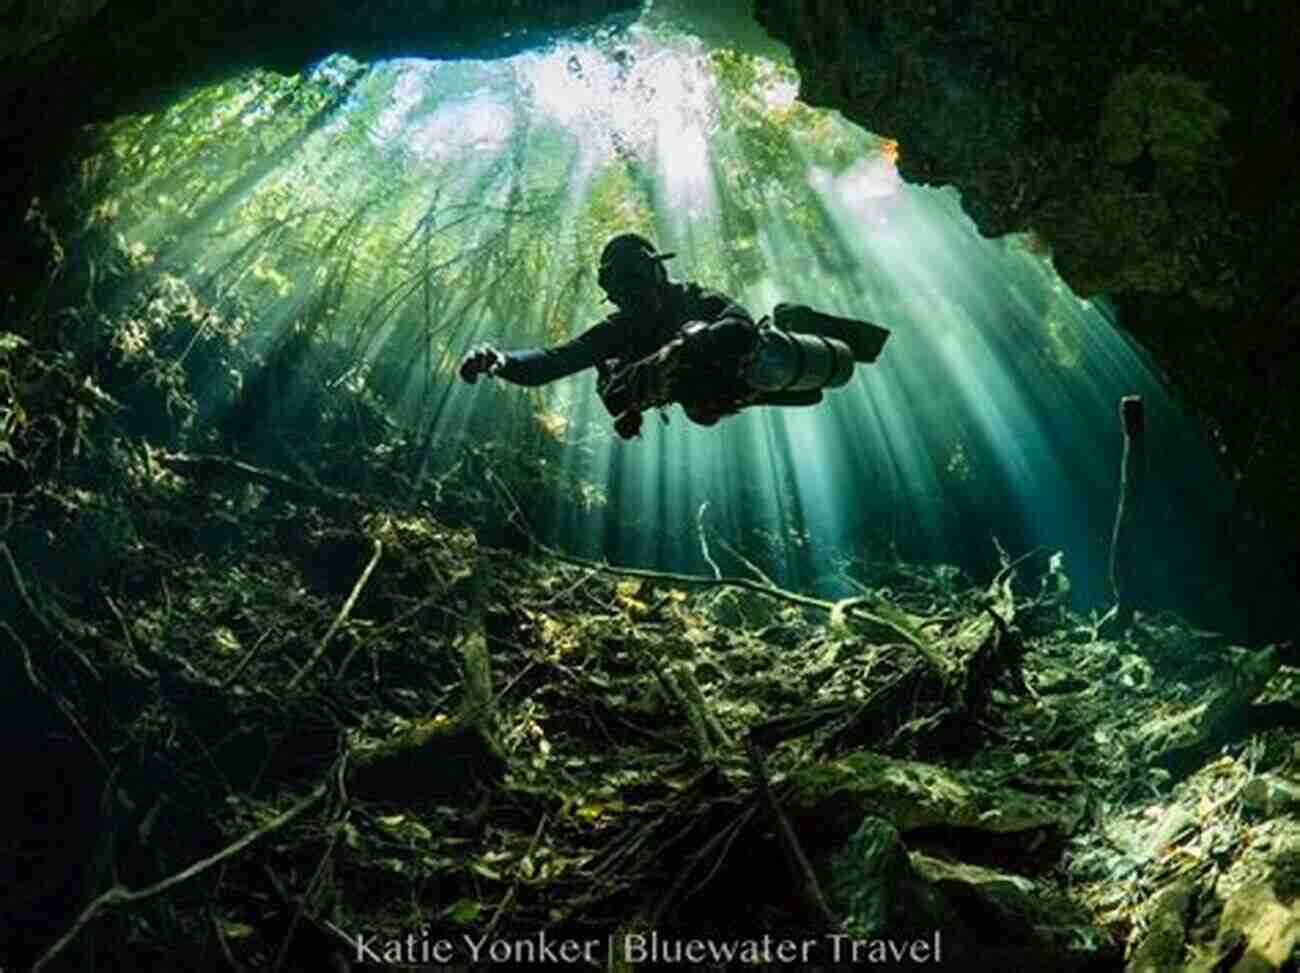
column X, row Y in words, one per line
column 784, row 362
column 802, row 350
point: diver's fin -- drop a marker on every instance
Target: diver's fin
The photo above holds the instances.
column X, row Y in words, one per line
column 787, row 398
column 865, row 339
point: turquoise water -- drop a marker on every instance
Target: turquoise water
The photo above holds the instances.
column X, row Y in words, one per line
column 409, row 209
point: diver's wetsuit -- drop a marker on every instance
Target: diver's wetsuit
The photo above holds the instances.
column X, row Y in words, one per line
column 630, row 334
column 718, row 352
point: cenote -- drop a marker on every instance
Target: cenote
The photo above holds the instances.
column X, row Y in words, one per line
column 318, row 655
column 400, row 211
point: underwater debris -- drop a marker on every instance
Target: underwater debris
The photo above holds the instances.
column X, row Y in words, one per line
column 599, row 776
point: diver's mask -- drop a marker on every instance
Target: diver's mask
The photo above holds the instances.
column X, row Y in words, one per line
column 631, row 270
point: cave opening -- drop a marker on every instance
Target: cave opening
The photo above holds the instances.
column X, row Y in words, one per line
column 361, row 224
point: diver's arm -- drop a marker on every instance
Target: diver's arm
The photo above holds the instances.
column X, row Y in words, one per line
column 537, row 366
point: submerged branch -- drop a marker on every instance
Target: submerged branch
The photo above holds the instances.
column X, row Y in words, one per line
column 796, row 859
column 837, row 610
column 119, row 895
column 342, row 616
column 209, row 464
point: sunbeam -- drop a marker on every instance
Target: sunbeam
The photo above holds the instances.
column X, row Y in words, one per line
column 407, row 209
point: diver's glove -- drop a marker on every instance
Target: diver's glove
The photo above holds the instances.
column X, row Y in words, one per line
column 480, row 359
column 707, row 412
column 628, row 425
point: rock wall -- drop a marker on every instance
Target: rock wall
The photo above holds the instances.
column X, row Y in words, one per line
column 1153, row 145
column 34, row 34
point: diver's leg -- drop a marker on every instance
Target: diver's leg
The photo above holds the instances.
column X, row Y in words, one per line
column 723, row 345
column 864, row 338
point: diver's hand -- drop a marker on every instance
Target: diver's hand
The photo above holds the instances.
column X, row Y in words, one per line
column 707, row 413
column 483, row 358
column 628, row 425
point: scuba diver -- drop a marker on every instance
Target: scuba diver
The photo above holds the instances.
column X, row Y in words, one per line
column 678, row 342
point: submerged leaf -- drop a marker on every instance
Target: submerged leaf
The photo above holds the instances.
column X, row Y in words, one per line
column 235, row 930
column 463, row 911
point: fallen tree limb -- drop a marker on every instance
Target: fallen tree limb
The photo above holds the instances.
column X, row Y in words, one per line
column 209, row 464
column 704, row 541
column 477, row 706
column 758, row 572
column 342, row 616
column 513, row 891
column 800, row 869
column 674, row 691
column 1000, row 653
column 726, row 837
column 802, row 722
column 248, row 658
column 17, row 576
column 881, row 714
column 59, row 702
column 726, row 581
column 690, row 687
column 698, row 581
column 300, row 910
column 120, row 895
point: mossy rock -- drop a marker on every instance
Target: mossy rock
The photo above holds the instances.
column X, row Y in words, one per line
column 438, row 759
column 838, row 794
